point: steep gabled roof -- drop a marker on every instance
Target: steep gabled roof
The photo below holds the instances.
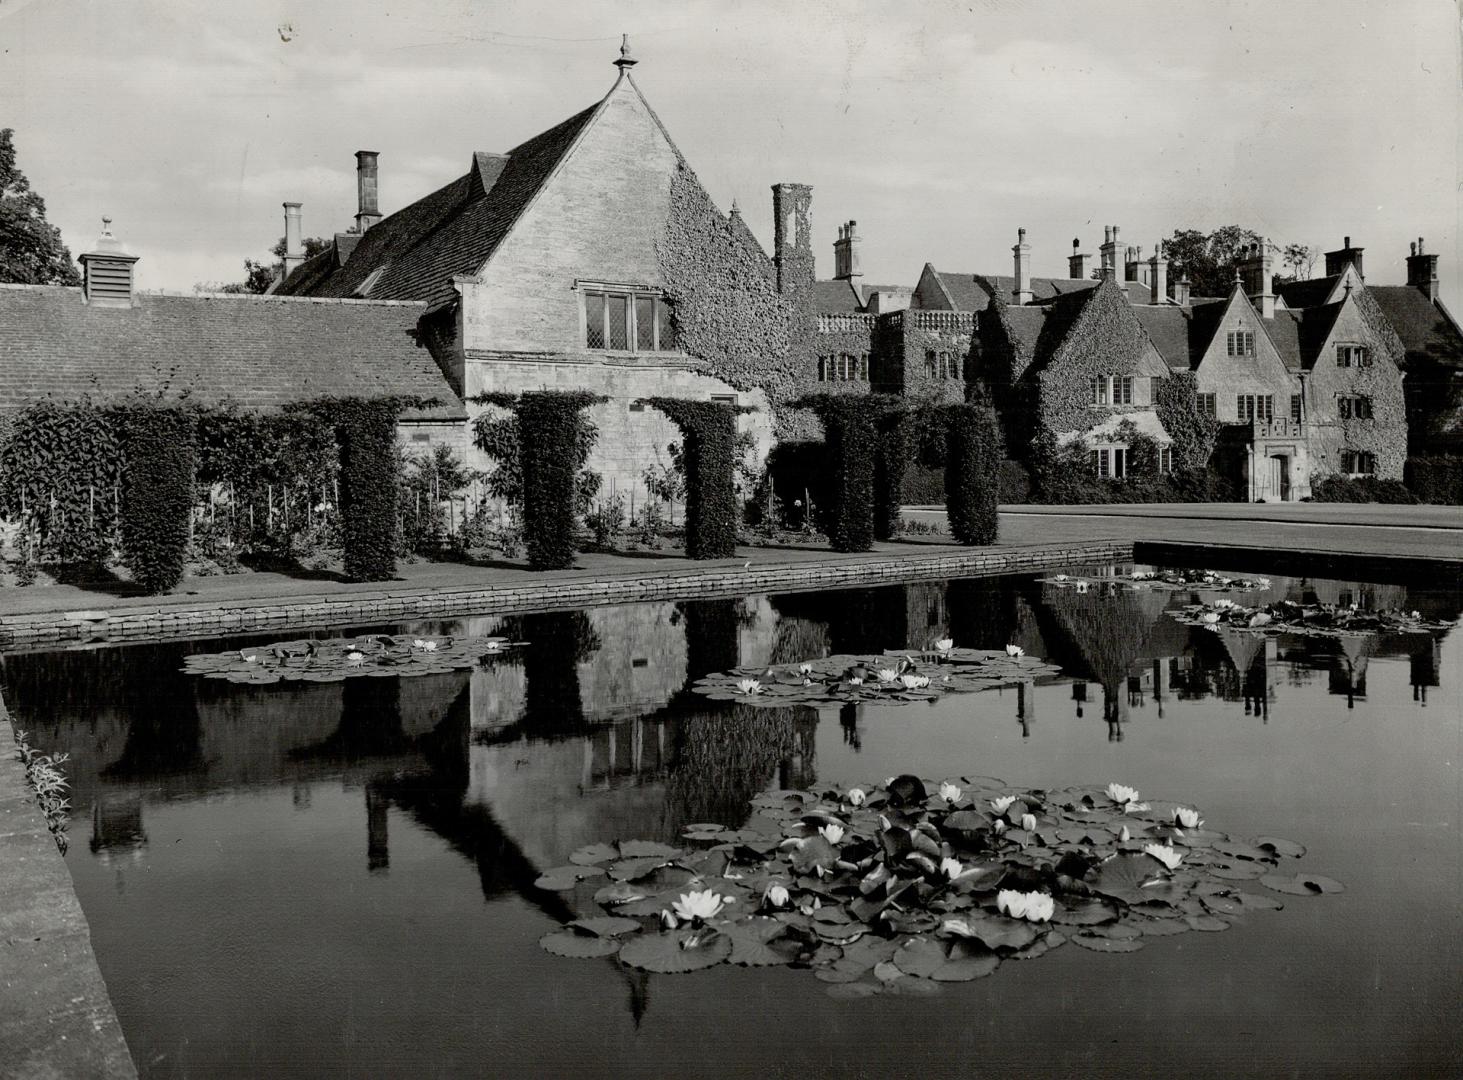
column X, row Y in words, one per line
column 1309, row 293
column 1180, row 334
column 259, row 351
column 836, row 297
column 1426, row 330
column 1056, row 324
column 1045, row 290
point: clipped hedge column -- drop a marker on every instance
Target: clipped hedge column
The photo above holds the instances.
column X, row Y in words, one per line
column 365, row 430
column 849, row 439
column 708, row 443
column 891, row 457
column 972, row 483
column 548, row 423
column 156, row 496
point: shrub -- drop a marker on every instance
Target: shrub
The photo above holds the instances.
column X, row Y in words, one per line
column 1365, row 489
column 156, row 497
column 500, row 438
column 923, row 485
column 370, row 472
column 605, row 520
column 971, row 483
column 891, row 458
column 848, row 446
column 1436, row 479
column 1015, row 482
column 708, row 455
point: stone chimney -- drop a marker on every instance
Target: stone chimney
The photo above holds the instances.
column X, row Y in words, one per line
column 1109, row 252
column 1158, row 276
column 367, row 211
column 1422, row 271
column 846, row 264
column 294, row 245
column 1336, row 260
column 107, row 271
column 1077, row 262
column 1021, row 293
column 1131, row 262
column 792, row 244
column 1181, row 291
column 1255, row 272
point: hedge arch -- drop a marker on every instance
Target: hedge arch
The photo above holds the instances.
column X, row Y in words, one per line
column 891, row 458
column 850, row 435
column 156, row 495
column 972, row 485
column 370, row 472
column 708, row 442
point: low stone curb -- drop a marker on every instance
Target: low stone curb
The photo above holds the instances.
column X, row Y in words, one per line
column 164, row 620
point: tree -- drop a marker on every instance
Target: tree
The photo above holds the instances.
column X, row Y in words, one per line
column 31, row 251
column 259, row 276
column 1209, row 259
column 1298, row 259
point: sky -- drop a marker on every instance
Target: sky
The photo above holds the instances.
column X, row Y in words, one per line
column 939, row 126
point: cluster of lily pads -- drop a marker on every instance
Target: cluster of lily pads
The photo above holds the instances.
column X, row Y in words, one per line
column 337, row 659
column 893, row 676
column 1315, row 620
column 904, row 884
column 1162, row 578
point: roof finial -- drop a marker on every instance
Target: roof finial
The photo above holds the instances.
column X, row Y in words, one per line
column 736, row 211
column 106, row 226
column 626, row 61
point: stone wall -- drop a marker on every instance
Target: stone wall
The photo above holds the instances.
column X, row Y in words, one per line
column 1385, row 433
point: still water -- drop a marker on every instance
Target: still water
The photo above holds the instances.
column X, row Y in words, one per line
column 337, row 879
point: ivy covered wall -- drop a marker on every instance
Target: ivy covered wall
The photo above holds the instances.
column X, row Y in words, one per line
column 1384, row 433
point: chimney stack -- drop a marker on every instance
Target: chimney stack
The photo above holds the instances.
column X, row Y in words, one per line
column 294, row 247
column 1255, row 273
column 107, row 271
column 1158, row 276
column 1133, row 261
column 792, row 244
column 1021, row 292
column 1181, row 290
column 846, row 254
column 1109, row 252
column 1077, row 262
column 1336, row 260
column 1422, row 271
column 367, row 211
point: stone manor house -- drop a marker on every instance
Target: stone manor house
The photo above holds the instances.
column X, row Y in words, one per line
column 590, row 257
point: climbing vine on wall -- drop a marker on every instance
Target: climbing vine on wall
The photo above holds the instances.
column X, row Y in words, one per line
column 891, row 458
column 971, row 484
column 1104, row 338
column 498, row 436
column 849, row 440
column 708, row 449
column 1175, row 401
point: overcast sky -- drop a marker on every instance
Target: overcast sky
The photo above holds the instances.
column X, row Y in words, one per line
column 939, row 126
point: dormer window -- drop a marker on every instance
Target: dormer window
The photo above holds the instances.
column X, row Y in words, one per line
column 1353, row 356
column 1240, row 343
column 627, row 320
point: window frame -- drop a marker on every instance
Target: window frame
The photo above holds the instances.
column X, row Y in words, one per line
column 1207, row 405
column 600, row 294
column 1110, row 461
column 1239, row 342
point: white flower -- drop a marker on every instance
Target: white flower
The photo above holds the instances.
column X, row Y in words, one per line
column 856, row 796
column 1015, row 650
column 950, row 792
column 806, row 669
column 951, row 868
column 249, row 658
column 776, row 896
column 957, row 926
column 808, row 909
column 1121, row 793
column 1061, row 577
column 355, row 659
column 998, row 826
column 494, row 646
column 1028, row 822
column 855, row 681
column 749, row 686
column 944, row 645
column 1417, row 614
column 1081, row 586
column 807, row 682
column 1165, row 854
column 887, row 674
column 1186, row 818
column 424, row 644
column 1002, row 804
column 1224, row 605
column 915, row 682
column 832, row 832
column 1125, row 836
column 1209, row 618
column 698, row 904
column 1034, row 906
column 669, row 921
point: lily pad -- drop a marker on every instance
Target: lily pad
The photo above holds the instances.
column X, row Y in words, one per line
column 754, row 943
column 1123, row 876
column 1209, row 923
column 1106, row 944
column 1281, row 847
column 578, row 946
column 921, row 957
column 676, row 952
column 606, row 926
column 564, row 878
column 1302, row 884
column 594, row 853
column 647, row 849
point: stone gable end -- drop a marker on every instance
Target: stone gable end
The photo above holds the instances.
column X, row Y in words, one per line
column 1227, row 377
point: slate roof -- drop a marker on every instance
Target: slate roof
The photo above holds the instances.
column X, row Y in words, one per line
column 1308, row 293
column 1426, row 329
column 1181, row 334
column 258, row 351
column 836, row 297
column 452, row 231
column 982, row 287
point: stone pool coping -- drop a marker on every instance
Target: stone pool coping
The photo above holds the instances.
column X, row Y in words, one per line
column 173, row 617
column 56, row 1019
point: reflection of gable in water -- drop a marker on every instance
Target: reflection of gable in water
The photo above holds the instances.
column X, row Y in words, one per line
column 640, row 662
column 1098, row 634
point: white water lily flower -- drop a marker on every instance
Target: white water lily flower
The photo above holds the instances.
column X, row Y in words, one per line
column 494, row 646
column 1125, row 836
column 355, row 659
column 944, row 645
column 855, row 681
column 856, row 796
column 1015, row 650
column 957, row 926
column 249, row 658
column 887, row 674
column 1209, row 618
column 832, row 832
column 1061, row 577
column 1186, row 818
column 999, row 825
column 1033, row 906
column 1121, row 793
column 1028, row 822
column 1224, row 605
column 669, row 921
column 950, row 792
column 749, row 686
column 698, row 904
column 1002, row 804
column 1165, row 854
column 1417, row 615
column 808, row 909
column 915, row 682
column 951, row 868
column 776, row 896
column 806, row 669
column 1081, row 586
column 1040, row 907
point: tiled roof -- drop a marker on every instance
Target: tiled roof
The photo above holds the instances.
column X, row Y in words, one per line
column 454, row 230
column 1308, row 293
column 1290, row 331
column 1061, row 315
column 1424, row 328
column 1043, row 290
column 965, row 294
column 1167, row 327
column 259, row 351
column 836, row 297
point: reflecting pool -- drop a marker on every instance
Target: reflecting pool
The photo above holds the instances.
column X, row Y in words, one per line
column 337, row 878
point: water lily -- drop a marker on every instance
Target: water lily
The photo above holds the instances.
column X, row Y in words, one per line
column 1224, row 605
column 809, row 908
column 1028, row 822
column 1002, row 804
column 1417, row 614
column 998, row 826
column 1165, row 854
column 856, row 796
column 957, row 926
column 424, row 644
column 944, row 645
column 1122, row 794
column 355, row 659
column 1032, row 906
column 249, row 658
column 887, row 674
column 915, row 682
column 1081, row 586
column 1015, row 650
column 1125, row 836
column 855, row 681
column 1061, row 577
column 776, row 896
column 950, row 792
column 1209, row 618
column 832, row 832
column 1186, row 818
column 699, row 904
column 951, row 868
column 806, row 669
column 669, row 921
column 749, row 686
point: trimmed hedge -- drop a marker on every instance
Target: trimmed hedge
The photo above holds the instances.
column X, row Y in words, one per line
column 972, row 485
column 549, row 426
column 848, row 445
column 708, row 447
column 156, row 497
column 891, row 458
column 1359, row 489
column 370, row 472
column 1436, row 478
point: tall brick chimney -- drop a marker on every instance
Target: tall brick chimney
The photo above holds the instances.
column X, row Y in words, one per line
column 1336, row 260
column 1131, row 263
column 1077, row 262
column 1158, row 276
column 1256, row 274
column 294, row 245
column 1021, row 292
column 846, row 264
column 367, row 211
column 1422, row 271
column 1109, row 251
column 792, row 244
